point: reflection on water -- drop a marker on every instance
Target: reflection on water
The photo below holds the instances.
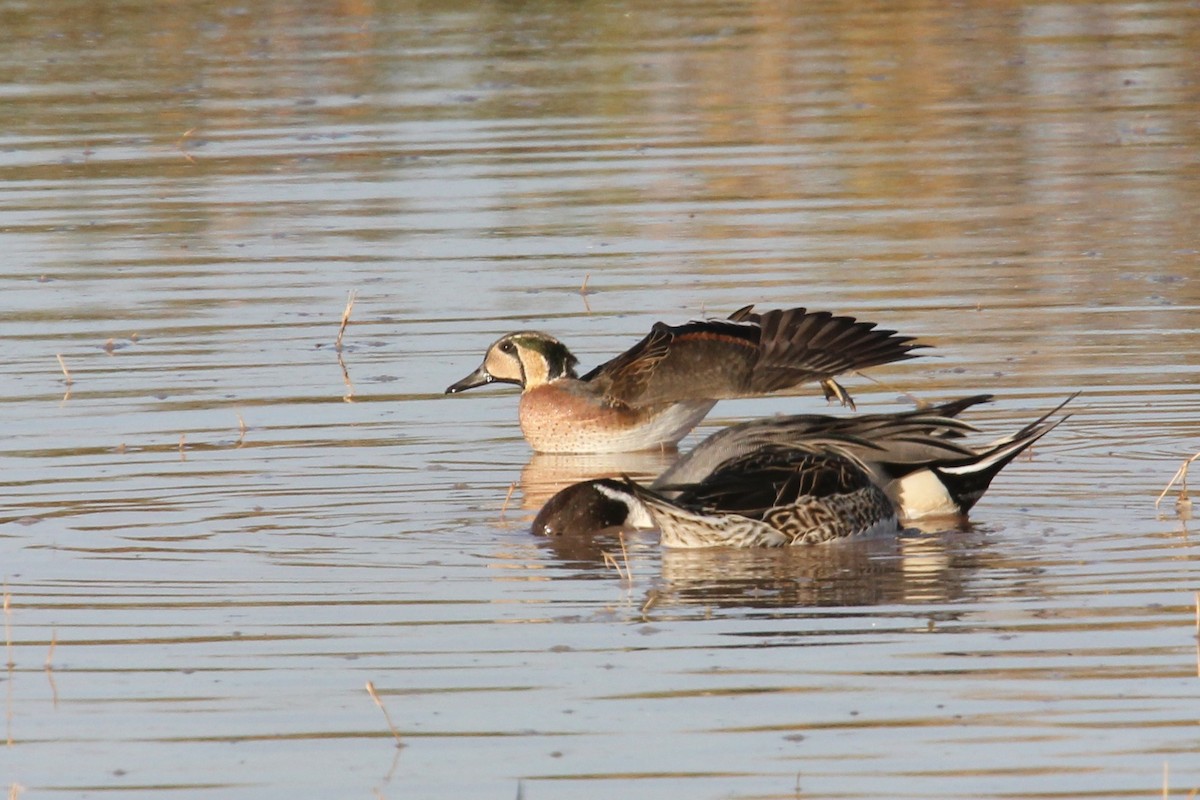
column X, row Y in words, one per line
column 547, row 473
column 218, row 531
column 910, row 569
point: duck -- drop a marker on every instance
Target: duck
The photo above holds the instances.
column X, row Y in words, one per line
column 919, row 459
column 775, row 496
column 653, row 394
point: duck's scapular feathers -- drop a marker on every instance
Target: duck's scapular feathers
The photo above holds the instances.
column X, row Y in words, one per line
column 775, row 496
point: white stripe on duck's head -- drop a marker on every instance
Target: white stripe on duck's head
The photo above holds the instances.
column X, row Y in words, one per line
column 590, row 506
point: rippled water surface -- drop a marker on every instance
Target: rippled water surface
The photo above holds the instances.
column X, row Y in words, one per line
column 217, row 531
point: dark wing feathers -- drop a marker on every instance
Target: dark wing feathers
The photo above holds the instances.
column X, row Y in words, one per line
column 914, row 437
column 770, row 477
column 681, row 362
column 631, row 371
column 953, row 408
column 744, row 314
column 747, row 354
column 799, row 346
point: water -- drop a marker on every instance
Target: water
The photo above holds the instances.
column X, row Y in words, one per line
column 218, row 532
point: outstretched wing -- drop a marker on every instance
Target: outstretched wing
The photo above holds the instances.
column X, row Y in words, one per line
column 798, row 346
column 748, row 354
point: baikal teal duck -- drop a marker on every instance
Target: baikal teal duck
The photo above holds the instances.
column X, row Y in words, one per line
column 654, row 393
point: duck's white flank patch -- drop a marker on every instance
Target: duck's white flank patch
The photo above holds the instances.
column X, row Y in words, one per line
column 920, row 494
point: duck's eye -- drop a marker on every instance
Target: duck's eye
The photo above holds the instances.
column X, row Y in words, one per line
column 508, row 347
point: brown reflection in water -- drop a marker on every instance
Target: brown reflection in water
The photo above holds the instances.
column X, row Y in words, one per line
column 591, row 554
column 910, row 569
column 915, row 568
column 548, row 473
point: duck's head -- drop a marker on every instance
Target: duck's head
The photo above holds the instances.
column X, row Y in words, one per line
column 526, row 358
column 591, row 506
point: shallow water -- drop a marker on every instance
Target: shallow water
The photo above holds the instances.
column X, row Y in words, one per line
column 219, row 531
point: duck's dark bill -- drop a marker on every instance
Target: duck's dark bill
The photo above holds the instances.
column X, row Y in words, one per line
column 479, row 377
